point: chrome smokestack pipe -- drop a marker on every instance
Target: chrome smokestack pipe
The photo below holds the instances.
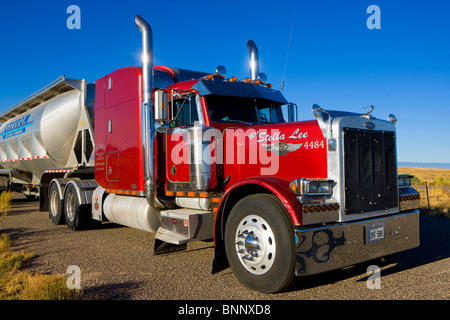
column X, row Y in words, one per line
column 254, row 59
column 148, row 119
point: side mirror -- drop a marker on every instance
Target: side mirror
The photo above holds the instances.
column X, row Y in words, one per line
column 161, row 106
column 292, row 112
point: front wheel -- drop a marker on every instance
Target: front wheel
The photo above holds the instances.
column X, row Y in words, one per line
column 259, row 242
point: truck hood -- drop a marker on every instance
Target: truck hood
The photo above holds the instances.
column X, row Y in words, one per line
column 287, row 151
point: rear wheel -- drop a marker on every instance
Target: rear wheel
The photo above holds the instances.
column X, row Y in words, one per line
column 55, row 206
column 76, row 214
column 259, row 242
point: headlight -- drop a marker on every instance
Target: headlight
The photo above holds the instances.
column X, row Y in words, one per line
column 404, row 180
column 312, row 187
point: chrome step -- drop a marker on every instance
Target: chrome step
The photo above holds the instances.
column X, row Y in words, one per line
column 170, row 236
column 180, row 226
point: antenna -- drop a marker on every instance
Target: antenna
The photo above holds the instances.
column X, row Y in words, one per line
column 287, row 53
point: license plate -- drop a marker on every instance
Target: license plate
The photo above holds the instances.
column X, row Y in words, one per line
column 375, row 233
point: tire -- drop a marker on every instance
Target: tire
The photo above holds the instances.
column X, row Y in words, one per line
column 76, row 214
column 259, row 243
column 55, row 205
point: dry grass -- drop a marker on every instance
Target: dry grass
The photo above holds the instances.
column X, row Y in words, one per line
column 433, row 177
column 19, row 285
column 16, row 284
column 438, row 181
column 5, row 204
column 28, row 286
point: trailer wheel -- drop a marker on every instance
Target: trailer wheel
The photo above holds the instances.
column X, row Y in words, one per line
column 76, row 214
column 259, row 243
column 56, row 206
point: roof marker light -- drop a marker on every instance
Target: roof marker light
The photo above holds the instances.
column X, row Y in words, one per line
column 392, row 119
column 221, row 72
column 232, row 79
column 263, row 78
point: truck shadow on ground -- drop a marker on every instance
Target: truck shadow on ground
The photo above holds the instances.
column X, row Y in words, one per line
column 434, row 246
column 22, row 206
column 112, row 291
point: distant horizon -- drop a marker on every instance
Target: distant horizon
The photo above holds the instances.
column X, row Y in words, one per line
column 434, row 165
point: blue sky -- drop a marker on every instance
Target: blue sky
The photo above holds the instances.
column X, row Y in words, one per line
column 334, row 60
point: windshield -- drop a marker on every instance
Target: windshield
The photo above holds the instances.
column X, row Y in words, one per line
column 245, row 110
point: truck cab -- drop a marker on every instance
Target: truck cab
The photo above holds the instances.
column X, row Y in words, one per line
column 230, row 150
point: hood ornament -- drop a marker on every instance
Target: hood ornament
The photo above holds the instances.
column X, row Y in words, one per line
column 367, row 114
column 282, row 148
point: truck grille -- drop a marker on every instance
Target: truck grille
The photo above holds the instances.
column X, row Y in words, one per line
column 370, row 171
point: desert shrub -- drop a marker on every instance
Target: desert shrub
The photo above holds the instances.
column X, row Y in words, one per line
column 416, row 181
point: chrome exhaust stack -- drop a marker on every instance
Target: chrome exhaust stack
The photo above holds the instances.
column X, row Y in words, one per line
column 147, row 114
column 254, row 59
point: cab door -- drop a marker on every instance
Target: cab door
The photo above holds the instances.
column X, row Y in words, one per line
column 184, row 114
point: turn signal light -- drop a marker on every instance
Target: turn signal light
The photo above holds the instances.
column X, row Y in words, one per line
column 319, row 208
column 232, row 79
column 246, row 80
column 410, row 197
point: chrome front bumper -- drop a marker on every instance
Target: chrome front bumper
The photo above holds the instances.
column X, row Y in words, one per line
column 333, row 247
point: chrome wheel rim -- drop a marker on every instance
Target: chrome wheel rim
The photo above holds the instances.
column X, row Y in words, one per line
column 255, row 244
column 54, row 203
column 71, row 207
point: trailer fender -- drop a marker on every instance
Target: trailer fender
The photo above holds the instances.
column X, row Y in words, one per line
column 84, row 190
column 60, row 184
column 77, row 203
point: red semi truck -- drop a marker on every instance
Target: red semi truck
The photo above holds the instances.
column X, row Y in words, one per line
column 193, row 156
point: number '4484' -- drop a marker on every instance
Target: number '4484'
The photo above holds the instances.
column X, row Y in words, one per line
column 315, row 144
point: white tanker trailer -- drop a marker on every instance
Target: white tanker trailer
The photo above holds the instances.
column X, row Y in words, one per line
column 47, row 135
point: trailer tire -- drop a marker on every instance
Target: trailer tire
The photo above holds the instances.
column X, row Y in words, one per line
column 76, row 213
column 259, row 243
column 56, row 205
